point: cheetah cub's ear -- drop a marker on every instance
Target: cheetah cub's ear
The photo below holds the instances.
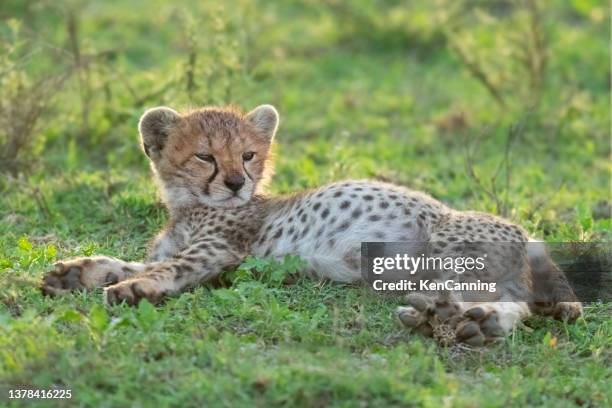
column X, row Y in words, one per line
column 155, row 126
column 265, row 120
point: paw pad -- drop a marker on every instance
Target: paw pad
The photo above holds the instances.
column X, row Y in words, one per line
column 568, row 311
column 479, row 327
column 132, row 292
column 62, row 279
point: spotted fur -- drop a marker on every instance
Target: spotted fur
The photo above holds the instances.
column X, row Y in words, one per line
column 211, row 165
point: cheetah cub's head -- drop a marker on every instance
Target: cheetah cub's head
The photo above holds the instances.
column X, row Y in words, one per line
column 210, row 156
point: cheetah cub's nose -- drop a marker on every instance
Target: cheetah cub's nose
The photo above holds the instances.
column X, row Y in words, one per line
column 234, row 182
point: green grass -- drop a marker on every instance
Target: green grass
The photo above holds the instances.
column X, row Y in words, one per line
column 372, row 99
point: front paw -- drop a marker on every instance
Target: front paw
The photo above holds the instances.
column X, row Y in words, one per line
column 77, row 274
column 132, row 291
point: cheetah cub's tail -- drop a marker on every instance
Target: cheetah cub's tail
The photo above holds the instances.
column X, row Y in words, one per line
column 552, row 294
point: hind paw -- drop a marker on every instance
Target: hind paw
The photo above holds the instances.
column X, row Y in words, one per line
column 415, row 320
column 568, row 311
column 478, row 327
column 428, row 316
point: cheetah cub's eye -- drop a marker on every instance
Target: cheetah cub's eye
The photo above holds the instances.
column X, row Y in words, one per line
column 208, row 158
column 246, row 156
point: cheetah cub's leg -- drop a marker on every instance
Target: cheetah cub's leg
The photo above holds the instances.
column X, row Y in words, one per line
column 553, row 295
column 87, row 273
column 100, row 271
column 199, row 262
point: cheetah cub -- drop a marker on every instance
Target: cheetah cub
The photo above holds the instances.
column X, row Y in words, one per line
column 211, row 165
